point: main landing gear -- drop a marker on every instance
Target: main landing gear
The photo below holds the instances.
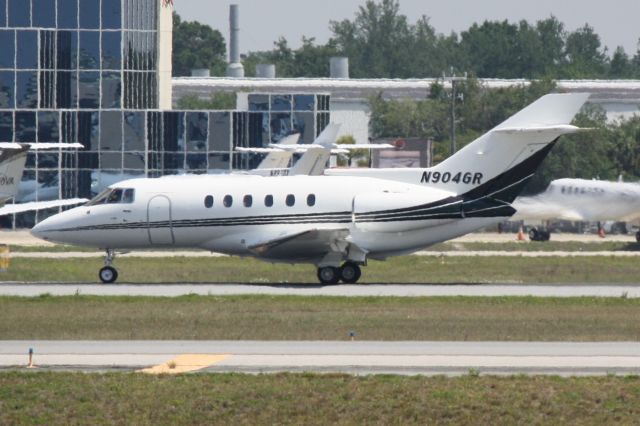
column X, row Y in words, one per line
column 349, row 273
column 108, row 274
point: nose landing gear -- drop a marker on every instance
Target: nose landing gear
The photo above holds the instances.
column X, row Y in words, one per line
column 108, row 274
column 349, row 273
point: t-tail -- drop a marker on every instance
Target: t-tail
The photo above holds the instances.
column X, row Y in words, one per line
column 500, row 162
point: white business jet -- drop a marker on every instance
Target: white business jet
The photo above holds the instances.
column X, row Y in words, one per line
column 581, row 200
column 337, row 223
column 13, row 157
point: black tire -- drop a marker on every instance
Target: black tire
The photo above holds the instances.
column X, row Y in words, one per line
column 329, row 275
column 108, row 274
column 350, row 273
column 545, row 235
column 534, row 235
column 638, row 236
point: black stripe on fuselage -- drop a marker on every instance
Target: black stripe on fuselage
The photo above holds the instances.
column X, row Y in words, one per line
column 491, row 199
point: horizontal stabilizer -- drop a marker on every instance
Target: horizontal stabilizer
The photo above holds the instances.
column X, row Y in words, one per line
column 40, row 146
column 39, row 205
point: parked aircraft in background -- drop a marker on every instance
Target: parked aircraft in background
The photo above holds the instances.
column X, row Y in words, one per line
column 581, row 200
column 13, row 157
column 337, row 223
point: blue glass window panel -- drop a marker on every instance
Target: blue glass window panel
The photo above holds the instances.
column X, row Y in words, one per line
column 304, row 102
column 258, row 102
column 89, row 90
column 68, row 14
column 197, row 162
column 48, row 160
column 220, row 131
column 25, row 126
column 89, row 130
column 44, row 13
column 111, row 131
column 111, row 14
column 7, row 89
column 197, row 131
column 8, row 43
column 111, row 50
column 27, row 89
column 111, row 90
column 67, row 57
column 19, row 13
column 68, row 127
column 48, row 127
column 89, row 50
column 3, row 13
column 89, row 14
column 134, row 125
column 67, row 89
column 6, row 126
column 173, row 131
column 174, row 160
column 281, row 103
column 134, row 160
column 111, row 160
column 27, row 50
column 280, row 126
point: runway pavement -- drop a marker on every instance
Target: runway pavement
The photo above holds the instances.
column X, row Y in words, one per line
column 357, row 290
column 428, row 358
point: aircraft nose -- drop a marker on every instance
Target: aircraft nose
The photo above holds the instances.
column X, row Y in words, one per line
column 50, row 228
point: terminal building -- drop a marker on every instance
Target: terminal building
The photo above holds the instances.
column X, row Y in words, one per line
column 98, row 72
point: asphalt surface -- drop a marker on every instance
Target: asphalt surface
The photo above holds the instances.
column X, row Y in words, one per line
column 428, row 358
column 358, row 290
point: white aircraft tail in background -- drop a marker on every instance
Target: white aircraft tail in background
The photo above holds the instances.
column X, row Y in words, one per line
column 13, row 157
column 335, row 222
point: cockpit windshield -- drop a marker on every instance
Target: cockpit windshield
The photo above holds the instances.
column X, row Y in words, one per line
column 114, row 196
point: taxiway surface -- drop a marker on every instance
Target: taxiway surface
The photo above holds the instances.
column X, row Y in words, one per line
column 358, row 290
column 451, row 358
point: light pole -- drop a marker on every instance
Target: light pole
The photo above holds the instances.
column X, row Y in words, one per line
column 453, row 79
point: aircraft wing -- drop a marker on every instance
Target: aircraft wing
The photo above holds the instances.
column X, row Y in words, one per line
column 39, row 205
column 305, row 245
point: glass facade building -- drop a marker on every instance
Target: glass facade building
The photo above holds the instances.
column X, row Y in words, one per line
column 98, row 72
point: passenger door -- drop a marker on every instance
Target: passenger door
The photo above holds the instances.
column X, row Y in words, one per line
column 159, row 221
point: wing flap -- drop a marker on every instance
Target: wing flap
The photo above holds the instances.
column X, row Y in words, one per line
column 308, row 244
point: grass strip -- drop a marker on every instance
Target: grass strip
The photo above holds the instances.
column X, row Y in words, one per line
column 407, row 269
column 68, row 398
column 319, row 318
column 529, row 246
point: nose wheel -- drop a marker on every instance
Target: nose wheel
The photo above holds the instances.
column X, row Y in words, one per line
column 108, row 274
column 349, row 273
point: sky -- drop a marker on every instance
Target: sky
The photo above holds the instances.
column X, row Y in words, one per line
column 263, row 21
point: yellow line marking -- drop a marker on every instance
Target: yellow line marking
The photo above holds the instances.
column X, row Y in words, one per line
column 185, row 364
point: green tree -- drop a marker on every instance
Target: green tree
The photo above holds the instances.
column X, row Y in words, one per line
column 620, row 66
column 196, row 45
column 585, row 58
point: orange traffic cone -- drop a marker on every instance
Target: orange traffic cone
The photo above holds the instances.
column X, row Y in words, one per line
column 520, row 236
column 601, row 232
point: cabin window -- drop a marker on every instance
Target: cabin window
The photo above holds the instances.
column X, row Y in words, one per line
column 113, row 196
column 208, row 201
column 291, row 200
column 248, row 200
column 227, row 201
column 311, row 200
column 268, row 200
column 129, row 196
column 562, row 190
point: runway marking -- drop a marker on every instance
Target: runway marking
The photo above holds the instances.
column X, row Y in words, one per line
column 185, row 363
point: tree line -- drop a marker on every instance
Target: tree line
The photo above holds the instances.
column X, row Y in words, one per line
column 380, row 42
column 610, row 151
